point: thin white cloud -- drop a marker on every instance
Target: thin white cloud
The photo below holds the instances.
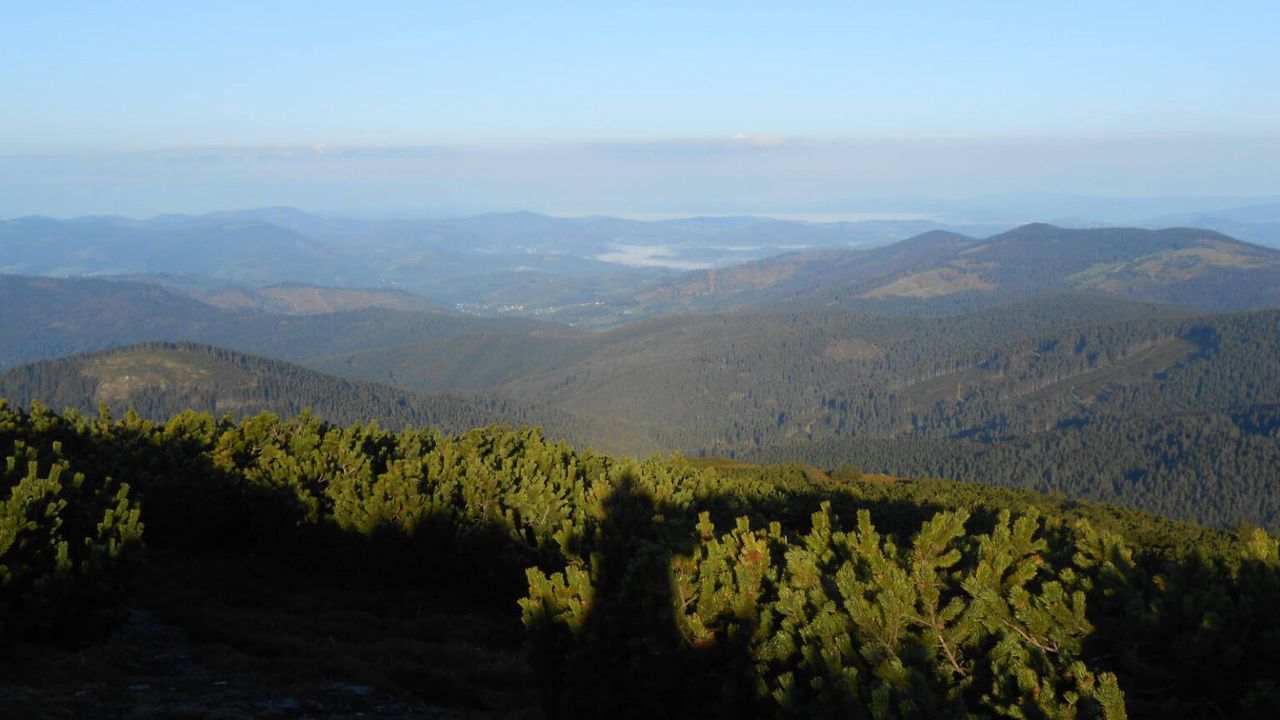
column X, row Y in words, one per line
column 734, row 174
column 650, row 256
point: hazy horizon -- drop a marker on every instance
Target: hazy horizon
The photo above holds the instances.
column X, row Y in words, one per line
column 992, row 111
column 1020, row 180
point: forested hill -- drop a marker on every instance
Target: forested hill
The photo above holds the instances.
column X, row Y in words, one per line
column 160, row 380
column 1176, row 416
column 999, row 382
column 945, row 272
column 50, row 317
column 731, row 381
column 287, row 298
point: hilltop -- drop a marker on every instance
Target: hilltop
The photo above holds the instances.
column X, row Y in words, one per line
column 159, row 380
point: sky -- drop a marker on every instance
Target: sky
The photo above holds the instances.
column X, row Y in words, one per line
column 649, row 107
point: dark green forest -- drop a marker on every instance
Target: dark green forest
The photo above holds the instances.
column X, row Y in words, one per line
column 1213, row 468
column 1135, row 404
column 160, row 379
column 673, row 586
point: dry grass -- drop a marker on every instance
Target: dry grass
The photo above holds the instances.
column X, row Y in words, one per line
column 932, row 283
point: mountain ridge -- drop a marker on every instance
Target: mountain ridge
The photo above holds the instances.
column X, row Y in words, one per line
column 942, row 272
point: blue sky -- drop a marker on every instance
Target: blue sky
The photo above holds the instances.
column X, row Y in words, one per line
column 139, row 93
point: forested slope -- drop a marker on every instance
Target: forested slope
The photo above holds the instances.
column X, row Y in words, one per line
column 1029, row 394
column 1216, row 468
column 50, row 317
column 287, row 298
column 159, row 380
column 744, row 380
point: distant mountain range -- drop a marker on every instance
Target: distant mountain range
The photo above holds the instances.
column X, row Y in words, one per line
column 244, row 250
column 1259, row 224
column 944, row 272
column 604, row 271
column 393, row 336
column 511, row 263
